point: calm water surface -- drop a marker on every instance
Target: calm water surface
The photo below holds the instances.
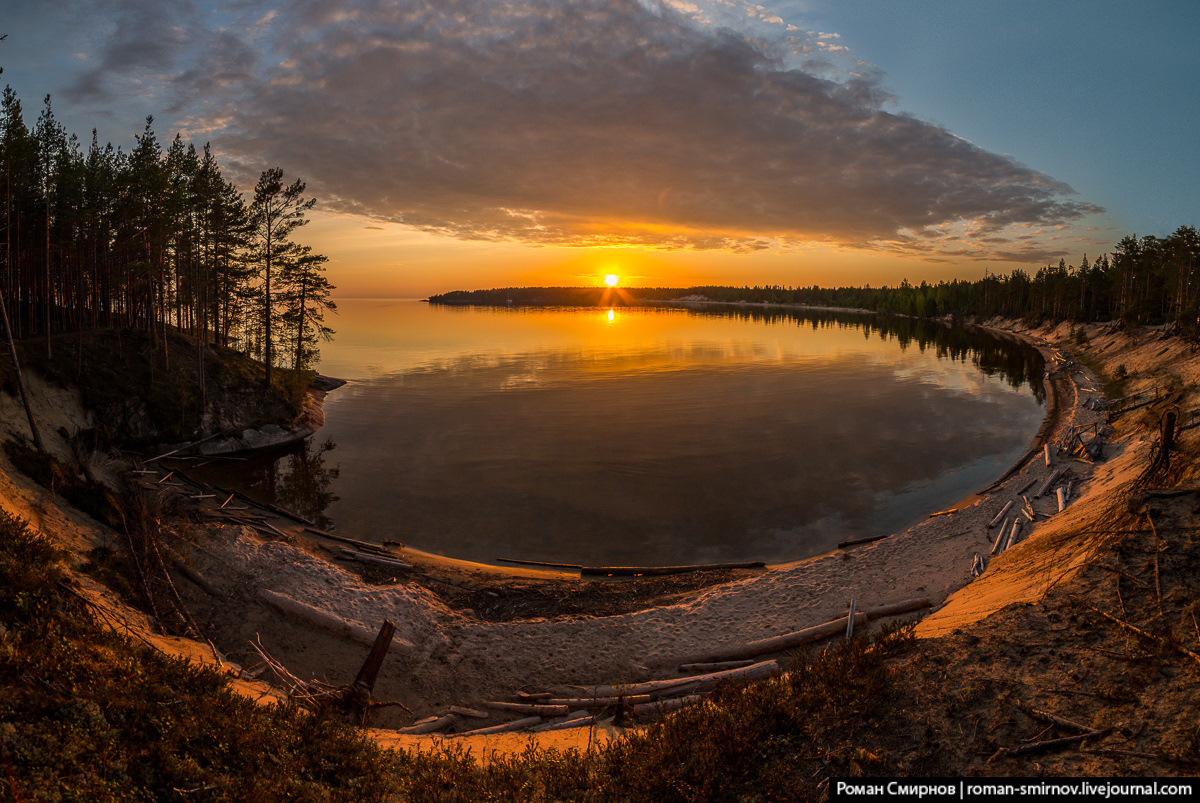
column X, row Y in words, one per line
column 647, row 436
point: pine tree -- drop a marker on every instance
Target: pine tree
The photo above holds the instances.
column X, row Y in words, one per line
column 304, row 297
column 275, row 213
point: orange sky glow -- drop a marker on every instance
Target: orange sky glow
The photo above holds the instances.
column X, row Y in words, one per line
column 469, row 145
column 383, row 260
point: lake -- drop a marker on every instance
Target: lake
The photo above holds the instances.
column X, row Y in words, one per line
column 647, row 436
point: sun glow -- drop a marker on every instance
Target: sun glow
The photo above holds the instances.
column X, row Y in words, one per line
column 611, row 279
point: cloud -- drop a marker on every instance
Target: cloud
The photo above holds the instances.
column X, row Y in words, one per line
column 671, row 124
column 136, row 42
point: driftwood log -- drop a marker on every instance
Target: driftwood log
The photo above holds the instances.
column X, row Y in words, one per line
column 594, row 703
column 362, row 546
column 429, row 725
column 1000, row 516
column 1054, row 475
column 531, row 709
column 579, row 722
column 787, row 641
column 799, row 638
column 375, row 560
column 187, row 571
column 715, row 666
column 468, row 712
column 633, row 571
column 1013, row 534
column 1027, row 486
column 315, row 617
column 897, row 608
column 756, row 671
column 859, row 541
column 998, row 545
column 541, row 563
column 652, row 709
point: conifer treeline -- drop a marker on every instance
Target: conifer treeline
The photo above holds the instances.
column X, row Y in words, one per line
column 154, row 239
column 1144, row 280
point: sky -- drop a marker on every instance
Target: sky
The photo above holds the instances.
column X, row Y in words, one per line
column 460, row 144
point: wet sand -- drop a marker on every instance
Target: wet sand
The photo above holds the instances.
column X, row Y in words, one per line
column 443, row 657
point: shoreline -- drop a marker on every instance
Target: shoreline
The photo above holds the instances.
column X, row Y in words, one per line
column 932, row 559
column 446, row 657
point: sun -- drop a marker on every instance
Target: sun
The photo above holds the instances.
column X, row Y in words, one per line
column 611, row 279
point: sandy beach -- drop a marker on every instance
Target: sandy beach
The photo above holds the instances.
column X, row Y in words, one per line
column 442, row 657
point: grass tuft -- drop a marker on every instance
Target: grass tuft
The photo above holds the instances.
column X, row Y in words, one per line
column 86, row 714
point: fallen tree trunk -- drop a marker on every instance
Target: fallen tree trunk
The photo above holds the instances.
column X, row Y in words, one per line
column 315, row 617
column 998, row 546
column 570, row 723
column 775, row 644
column 663, row 707
column 859, row 541
column 753, row 672
column 190, row 573
column 897, row 608
column 362, row 545
column 429, row 725
column 533, row 709
column 1000, row 515
column 633, row 571
column 1013, row 535
column 715, row 666
column 1050, row 481
column 541, row 563
column 593, row 703
column 801, row 637
column 375, row 560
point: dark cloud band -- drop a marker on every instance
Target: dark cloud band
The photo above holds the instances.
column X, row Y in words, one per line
column 601, row 121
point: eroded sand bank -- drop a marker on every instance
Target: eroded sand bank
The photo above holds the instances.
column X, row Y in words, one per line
column 444, row 657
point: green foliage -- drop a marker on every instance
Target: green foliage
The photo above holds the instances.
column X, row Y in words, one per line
column 86, row 714
column 1114, row 386
column 773, row 740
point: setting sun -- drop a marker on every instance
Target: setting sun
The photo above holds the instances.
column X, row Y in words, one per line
column 611, row 279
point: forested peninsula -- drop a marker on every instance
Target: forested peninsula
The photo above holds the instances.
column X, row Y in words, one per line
column 1144, row 280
